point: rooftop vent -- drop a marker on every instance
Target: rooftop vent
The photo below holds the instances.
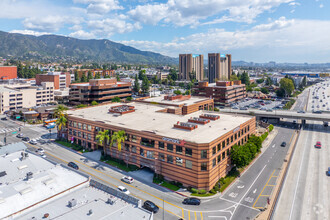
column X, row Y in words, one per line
column 3, row 173
column 196, row 120
column 122, row 109
column 209, row 116
column 29, row 175
column 186, row 126
column 72, row 203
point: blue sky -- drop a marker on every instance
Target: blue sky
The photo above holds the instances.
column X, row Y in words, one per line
column 251, row 30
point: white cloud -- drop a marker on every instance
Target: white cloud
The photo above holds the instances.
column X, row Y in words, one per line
column 321, row 5
column 110, row 26
column 294, row 3
column 48, row 23
column 190, row 12
column 29, row 32
column 81, row 34
column 100, row 6
column 282, row 38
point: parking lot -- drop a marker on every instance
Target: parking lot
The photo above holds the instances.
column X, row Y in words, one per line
column 258, row 104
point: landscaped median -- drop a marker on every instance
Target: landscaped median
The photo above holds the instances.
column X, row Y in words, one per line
column 73, row 146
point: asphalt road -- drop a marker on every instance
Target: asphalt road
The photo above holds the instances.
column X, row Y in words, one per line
column 306, row 190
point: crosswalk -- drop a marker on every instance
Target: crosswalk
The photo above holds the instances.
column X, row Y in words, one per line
column 8, row 130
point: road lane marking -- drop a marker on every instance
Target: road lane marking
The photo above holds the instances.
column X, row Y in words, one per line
column 254, row 191
column 201, row 216
column 195, row 216
column 235, row 204
column 212, row 216
column 182, row 213
column 263, row 189
column 189, row 214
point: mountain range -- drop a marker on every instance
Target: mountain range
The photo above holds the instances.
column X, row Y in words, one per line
column 55, row 48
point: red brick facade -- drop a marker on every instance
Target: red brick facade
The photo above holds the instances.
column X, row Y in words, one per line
column 8, row 72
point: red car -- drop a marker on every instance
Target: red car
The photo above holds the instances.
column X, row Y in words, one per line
column 318, row 144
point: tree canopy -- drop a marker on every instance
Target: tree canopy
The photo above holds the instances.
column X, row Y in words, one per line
column 287, row 85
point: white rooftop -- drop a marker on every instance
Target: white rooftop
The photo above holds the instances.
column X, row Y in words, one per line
column 18, row 193
column 146, row 118
column 89, row 199
column 192, row 100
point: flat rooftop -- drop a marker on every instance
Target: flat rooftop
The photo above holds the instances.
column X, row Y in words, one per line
column 18, row 193
column 89, row 199
column 161, row 100
column 146, row 118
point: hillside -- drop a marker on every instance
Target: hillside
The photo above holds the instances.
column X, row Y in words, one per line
column 55, row 48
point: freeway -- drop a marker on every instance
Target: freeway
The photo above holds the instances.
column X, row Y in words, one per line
column 306, row 190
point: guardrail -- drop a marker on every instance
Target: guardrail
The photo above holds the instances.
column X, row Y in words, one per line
column 116, row 193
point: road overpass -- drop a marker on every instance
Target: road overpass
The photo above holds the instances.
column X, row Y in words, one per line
column 278, row 114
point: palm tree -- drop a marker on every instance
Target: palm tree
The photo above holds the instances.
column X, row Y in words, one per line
column 103, row 137
column 118, row 137
column 60, row 110
column 61, row 122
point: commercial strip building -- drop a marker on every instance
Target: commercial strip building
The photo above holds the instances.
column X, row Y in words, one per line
column 191, row 64
column 61, row 80
column 36, row 188
column 15, row 96
column 192, row 148
column 223, row 92
column 99, row 90
column 219, row 67
column 94, row 72
column 8, row 72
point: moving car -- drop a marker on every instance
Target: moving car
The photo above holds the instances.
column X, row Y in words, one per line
column 191, row 201
column 300, row 111
column 127, row 179
column 269, row 110
column 150, row 206
column 43, row 155
column 243, row 108
column 318, row 144
column 40, row 150
column 20, row 135
column 328, row 172
column 26, row 139
column 34, row 142
column 123, row 189
column 283, row 144
column 325, row 124
column 73, row 165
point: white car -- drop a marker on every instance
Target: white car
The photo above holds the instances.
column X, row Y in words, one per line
column 40, row 150
column 127, row 179
column 124, row 190
column 43, row 155
column 34, row 142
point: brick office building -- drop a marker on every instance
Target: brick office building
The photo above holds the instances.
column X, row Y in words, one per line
column 8, row 72
column 193, row 149
column 61, row 80
column 223, row 92
column 99, row 90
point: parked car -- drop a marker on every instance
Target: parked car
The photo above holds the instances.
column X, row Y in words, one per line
column 127, row 179
column 318, row 144
column 40, row 150
column 191, row 201
column 150, row 206
column 328, row 172
column 283, row 144
column 300, row 111
column 123, row 189
column 20, row 135
column 43, row 155
column 26, row 139
column 33, row 141
column 4, row 119
column 269, row 110
column 243, row 108
column 235, row 107
column 73, row 165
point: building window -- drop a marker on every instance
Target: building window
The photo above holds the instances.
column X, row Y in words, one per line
column 89, row 127
column 218, row 147
column 89, row 136
column 179, row 161
column 147, row 142
column 178, row 149
column 203, row 166
column 214, row 162
column 127, row 147
column 223, row 144
column 133, row 149
column 223, row 155
column 79, row 125
column 203, row 153
column 70, row 131
column 84, row 135
column 150, row 154
column 74, row 124
column 231, row 139
column 84, row 126
column 79, row 134
column 74, row 133
column 142, row 152
column 188, row 152
column 170, row 147
column 169, row 158
column 161, row 156
column 236, row 136
column 248, row 127
column 214, row 150
column 219, row 158
column 134, row 139
column 228, row 152
column 227, row 141
column 161, row 145
column 188, row 164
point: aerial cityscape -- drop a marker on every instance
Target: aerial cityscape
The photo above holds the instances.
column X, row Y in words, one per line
column 164, row 110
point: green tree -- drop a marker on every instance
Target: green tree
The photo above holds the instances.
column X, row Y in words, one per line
column 145, row 85
column 89, row 76
column 97, row 75
column 94, row 103
column 177, row 92
column 188, row 92
column 280, row 92
column 269, row 81
column 233, row 77
column 60, row 110
column 174, row 74
column 136, row 87
column 287, row 85
column 118, row 137
column 256, row 140
column 240, row 156
column 260, row 81
column 83, row 78
column 245, row 78
column 115, row 99
column 304, row 82
column 118, row 78
column 129, row 98
column 264, row 90
column 142, row 73
column 252, row 148
column 103, row 138
column 76, row 76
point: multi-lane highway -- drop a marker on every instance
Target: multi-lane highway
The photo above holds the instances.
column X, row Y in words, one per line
column 306, row 190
